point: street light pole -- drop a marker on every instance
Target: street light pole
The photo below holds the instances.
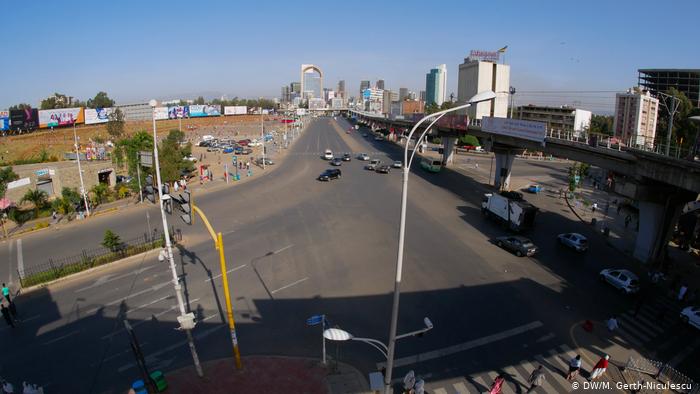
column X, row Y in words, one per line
column 479, row 97
column 185, row 319
column 262, row 133
column 80, row 172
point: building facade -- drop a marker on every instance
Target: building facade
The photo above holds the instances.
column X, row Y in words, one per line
column 636, row 113
column 403, row 94
column 341, row 89
column 311, row 81
column 563, row 119
column 386, row 102
column 657, row 80
column 412, row 107
column 380, row 84
column 436, row 85
column 477, row 76
column 363, row 86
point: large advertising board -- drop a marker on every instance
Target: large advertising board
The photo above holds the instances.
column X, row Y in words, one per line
column 178, row 112
column 525, row 129
column 160, row 113
column 485, row 56
column 235, row 110
column 60, row 117
column 204, row 110
column 4, row 120
column 24, row 119
column 97, row 115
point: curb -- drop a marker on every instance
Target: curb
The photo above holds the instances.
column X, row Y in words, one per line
column 573, row 210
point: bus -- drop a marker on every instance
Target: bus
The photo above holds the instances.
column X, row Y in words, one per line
column 431, row 165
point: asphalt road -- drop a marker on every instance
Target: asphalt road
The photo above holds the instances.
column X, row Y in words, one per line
column 297, row 247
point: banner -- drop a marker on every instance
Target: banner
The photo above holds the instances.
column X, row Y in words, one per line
column 204, row 110
column 525, row 129
column 178, row 112
column 236, row 110
column 161, row 113
column 4, row 120
column 60, row 117
column 97, row 115
column 24, row 119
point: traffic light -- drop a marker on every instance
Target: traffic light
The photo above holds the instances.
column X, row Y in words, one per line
column 149, row 190
column 186, row 207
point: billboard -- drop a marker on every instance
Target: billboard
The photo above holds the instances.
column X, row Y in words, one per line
column 525, row 129
column 4, row 120
column 204, row 110
column 485, row 56
column 97, row 115
column 24, row 119
column 160, row 113
column 60, row 117
column 236, row 110
column 178, row 112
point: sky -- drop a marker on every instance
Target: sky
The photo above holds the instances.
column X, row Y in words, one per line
column 137, row 50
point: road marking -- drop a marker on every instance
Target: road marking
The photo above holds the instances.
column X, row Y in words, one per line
column 148, row 304
column 61, row 337
column 431, row 355
column 108, row 278
column 289, row 285
column 546, row 337
column 283, row 249
column 20, row 259
column 228, row 272
column 140, row 322
column 9, row 259
column 684, row 353
column 138, row 293
column 117, row 355
column 460, row 388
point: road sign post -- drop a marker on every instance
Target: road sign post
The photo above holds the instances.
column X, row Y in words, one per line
column 316, row 320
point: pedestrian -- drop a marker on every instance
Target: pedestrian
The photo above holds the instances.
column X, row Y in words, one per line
column 594, row 207
column 53, row 215
column 496, row 385
column 6, row 292
column 612, row 324
column 619, row 208
column 607, row 207
column 574, row 367
column 7, row 387
column 13, row 310
column 681, row 292
column 536, row 378
column 599, row 368
column 628, row 219
column 6, row 315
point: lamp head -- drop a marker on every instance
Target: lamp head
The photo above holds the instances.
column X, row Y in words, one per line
column 336, row 334
column 153, row 103
column 483, row 96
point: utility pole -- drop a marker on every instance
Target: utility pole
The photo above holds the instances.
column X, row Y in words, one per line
column 262, row 132
column 80, row 171
column 512, row 100
column 671, row 103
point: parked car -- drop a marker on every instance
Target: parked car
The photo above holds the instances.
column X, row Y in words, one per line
column 521, row 246
column 346, row 157
column 691, row 315
column 267, row 161
column 228, row 149
column 328, row 154
column 623, row 280
column 190, row 158
column 244, row 142
column 397, row 164
column 383, row 169
column 212, row 149
column 337, row 161
column 124, row 178
column 331, row 173
column 254, row 143
column 373, row 164
column 574, row 241
column 363, row 157
column 379, row 138
column 243, row 151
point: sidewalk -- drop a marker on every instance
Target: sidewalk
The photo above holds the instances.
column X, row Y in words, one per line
column 267, row 375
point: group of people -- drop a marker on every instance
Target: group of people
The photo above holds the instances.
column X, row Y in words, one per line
column 8, row 307
column 27, row 388
column 537, row 377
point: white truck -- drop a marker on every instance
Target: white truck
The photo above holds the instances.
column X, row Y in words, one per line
column 516, row 215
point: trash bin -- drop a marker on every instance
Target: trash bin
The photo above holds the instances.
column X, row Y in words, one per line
column 593, row 222
column 159, row 380
column 139, row 387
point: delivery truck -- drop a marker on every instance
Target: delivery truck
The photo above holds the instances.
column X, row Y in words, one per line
column 517, row 215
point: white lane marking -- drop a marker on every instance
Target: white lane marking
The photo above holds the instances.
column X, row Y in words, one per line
column 148, row 304
column 283, row 249
column 140, row 322
column 440, row 391
column 289, row 285
column 228, row 272
column 460, row 388
column 9, row 259
column 138, row 293
column 545, row 384
column 545, row 337
column 61, row 337
column 20, row 259
column 108, row 278
column 210, row 317
column 431, row 355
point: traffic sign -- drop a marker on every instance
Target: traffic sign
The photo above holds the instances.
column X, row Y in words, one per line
column 314, row 320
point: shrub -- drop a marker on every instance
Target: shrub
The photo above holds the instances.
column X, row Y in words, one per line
column 111, row 241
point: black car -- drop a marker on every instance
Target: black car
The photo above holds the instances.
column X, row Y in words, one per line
column 336, row 161
column 513, row 195
column 521, row 246
column 331, row 173
column 346, row 157
column 383, row 169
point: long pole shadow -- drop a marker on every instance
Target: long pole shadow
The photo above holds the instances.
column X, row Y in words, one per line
column 194, row 259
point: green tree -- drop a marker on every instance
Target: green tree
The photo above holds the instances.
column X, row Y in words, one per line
column 601, row 124
column 111, row 241
column 684, row 130
column 115, row 125
column 36, row 197
column 431, row 108
column 58, row 100
column 447, row 105
column 199, row 101
column 128, row 150
column 101, row 100
column 469, row 139
column 71, row 195
column 100, row 191
column 19, row 106
column 172, row 154
column 6, row 176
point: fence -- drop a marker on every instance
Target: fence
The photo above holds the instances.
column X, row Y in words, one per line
column 56, row 268
column 644, row 370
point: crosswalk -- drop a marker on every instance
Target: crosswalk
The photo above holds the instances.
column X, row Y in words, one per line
column 648, row 323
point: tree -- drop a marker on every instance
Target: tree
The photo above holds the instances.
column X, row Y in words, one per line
column 19, row 106
column 199, row 101
column 469, row 139
column 71, row 195
column 100, row 191
column 601, row 124
column 684, row 129
column 36, row 197
column 58, row 100
column 101, row 100
column 6, row 176
column 111, row 241
column 447, row 105
column 115, row 125
column 172, row 154
column 431, row 108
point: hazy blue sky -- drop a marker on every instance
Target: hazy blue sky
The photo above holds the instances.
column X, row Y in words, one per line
column 135, row 50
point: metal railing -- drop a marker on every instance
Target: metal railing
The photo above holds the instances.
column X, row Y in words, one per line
column 661, row 373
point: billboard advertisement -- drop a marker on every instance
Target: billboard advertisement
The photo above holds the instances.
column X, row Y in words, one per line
column 161, row 113
column 24, row 119
column 178, row 112
column 60, row 117
column 204, row 110
column 236, row 110
column 525, row 129
column 97, row 115
column 4, row 120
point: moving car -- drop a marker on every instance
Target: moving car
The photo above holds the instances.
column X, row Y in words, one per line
column 574, row 241
column 691, row 315
column 267, row 161
column 331, row 173
column 346, row 157
column 534, row 189
column 383, row 169
column 621, row 279
column 337, row 161
column 363, row 157
column 328, row 154
column 397, row 164
column 521, row 246
column 373, row 164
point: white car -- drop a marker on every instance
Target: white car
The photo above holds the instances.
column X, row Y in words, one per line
column 691, row 315
column 191, row 158
column 363, row 157
column 575, row 241
column 328, row 155
column 254, row 143
column 621, row 279
column 397, row 164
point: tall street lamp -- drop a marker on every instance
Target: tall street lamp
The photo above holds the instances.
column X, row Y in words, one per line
column 479, row 97
column 692, row 150
column 185, row 319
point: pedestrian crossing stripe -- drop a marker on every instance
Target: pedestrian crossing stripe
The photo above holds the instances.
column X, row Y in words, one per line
column 629, row 322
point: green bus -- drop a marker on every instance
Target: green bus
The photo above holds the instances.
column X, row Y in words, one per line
column 431, row 165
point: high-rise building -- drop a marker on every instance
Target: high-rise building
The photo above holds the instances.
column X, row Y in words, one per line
column 373, row 100
column 341, row 89
column 394, row 96
column 286, row 94
column 380, row 84
column 412, row 107
column 403, row 94
column 386, row 102
column 565, row 119
column 476, row 76
column 657, row 80
column 311, row 81
column 636, row 112
column 295, row 87
column 363, row 85
column 421, row 95
column 436, row 85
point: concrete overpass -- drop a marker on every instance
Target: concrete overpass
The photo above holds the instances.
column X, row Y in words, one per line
column 661, row 184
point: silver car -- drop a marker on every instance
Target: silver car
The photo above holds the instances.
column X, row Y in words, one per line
column 574, row 241
column 363, row 157
column 623, row 280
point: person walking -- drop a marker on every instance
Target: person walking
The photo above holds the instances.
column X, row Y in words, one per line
column 7, row 387
column 6, row 292
column 628, row 219
column 681, row 291
column 574, row 367
column 13, row 310
column 496, row 385
column 536, row 378
column 600, row 368
column 612, row 324
column 6, row 315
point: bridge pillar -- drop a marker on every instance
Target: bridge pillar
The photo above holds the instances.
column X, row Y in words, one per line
column 448, row 150
column 502, row 169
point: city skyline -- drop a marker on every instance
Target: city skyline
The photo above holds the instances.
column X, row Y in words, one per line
column 557, row 56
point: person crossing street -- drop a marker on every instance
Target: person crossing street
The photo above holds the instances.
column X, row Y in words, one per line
column 6, row 315
column 6, row 292
column 536, row 378
column 600, row 368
